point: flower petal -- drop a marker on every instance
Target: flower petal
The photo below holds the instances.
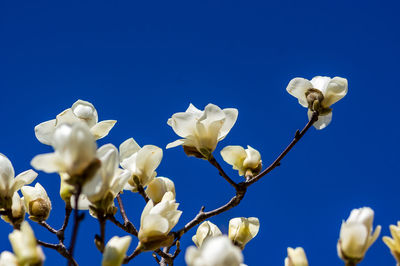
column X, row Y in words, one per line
column 323, row 120
column 6, row 172
column 234, row 155
column 320, row 83
column 127, row 148
column 297, row 87
column 101, row 129
column 48, row 162
column 231, row 115
column 24, row 178
column 336, row 90
column 85, row 111
column 183, row 124
column 44, row 131
column 175, row 143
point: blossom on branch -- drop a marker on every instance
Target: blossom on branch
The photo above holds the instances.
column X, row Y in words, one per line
column 318, row 95
column 205, row 231
column 81, row 111
column 202, row 130
column 115, row 251
column 246, row 161
column 296, row 257
column 157, row 221
column 217, row 251
column 242, row 230
column 394, row 242
column 140, row 162
column 158, row 187
column 8, row 184
column 24, row 245
column 17, row 211
column 356, row 235
column 37, row 203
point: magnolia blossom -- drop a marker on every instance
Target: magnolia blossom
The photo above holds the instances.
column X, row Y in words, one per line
column 36, row 201
column 356, row 235
column 217, row 251
column 115, row 250
column 205, row 231
column 8, row 259
column 201, row 130
column 17, row 211
column 296, row 257
column 75, row 151
column 158, row 187
column 156, row 222
column 318, row 95
column 141, row 162
column 25, row 247
column 109, row 180
column 246, row 161
column 242, row 230
column 8, row 184
column 394, row 242
column 81, row 111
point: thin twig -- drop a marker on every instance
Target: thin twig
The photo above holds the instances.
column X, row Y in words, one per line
column 48, row 227
column 61, row 231
column 130, row 230
column 221, row 171
column 100, row 239
column 140, row 189
column 128, row 224
column 134, row 254
column 60, row 248
column 77, row 219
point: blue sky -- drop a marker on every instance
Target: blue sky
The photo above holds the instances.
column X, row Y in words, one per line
column 141, row 61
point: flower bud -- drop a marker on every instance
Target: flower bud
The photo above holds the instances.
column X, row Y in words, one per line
column 246, row 161
column 158, row 187
column 8, row 259
column 25, row 247
column 37, row 203
column 356, row 235
column 115, row 250
column 394, row 242
column 296, row 257
column 204, row 231
column 242, row 230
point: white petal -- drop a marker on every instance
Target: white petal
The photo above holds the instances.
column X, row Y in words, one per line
column 320, row 83
column 231, row 115
column 24, row 178
column 353, row 239
column 175, row 143
column 323, row 120
column 211, row 114
column 297, row 87
column 6, row 172
column 48, row 162
column 192, row 109
column 85, row 111
column 83, row 202
column 127, row 148
column 44, row 131
column 154, row 224
column 67, row 117
column 253, row 158
column 254, row 226
column 101, row 129
column 183, row 124
column 108, row 155
column 234, row 155
column 148, row 159
column 336, row 90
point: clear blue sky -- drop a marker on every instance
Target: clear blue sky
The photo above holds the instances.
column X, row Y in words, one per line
column 141, row 61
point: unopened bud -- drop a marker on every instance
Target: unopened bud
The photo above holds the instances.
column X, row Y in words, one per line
column 242, row 230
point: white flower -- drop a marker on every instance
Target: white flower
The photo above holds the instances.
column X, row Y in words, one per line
column 24, row 245
column 318, row 95
column 244, row 160
column 81, row 111
column 356, row 235
column 17, row 211
column 8, row 259
column 205, row 231
column 202, row 130
column 156, row 222
column 9, row 184
column 158, row 187
column 75, row 151
column 36, row 201
column 242, row 230
column 394, row 242
column 115, row 250
column 296, row 257
column 108, row 181
column 217, row 251
column 141, row 162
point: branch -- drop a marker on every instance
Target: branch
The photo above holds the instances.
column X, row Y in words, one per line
column 140, row 189
column 134, row 254
column 122, row 226
column 99, row 240
column 48, row 227
column 77, row 219
column 61, row 231
column 60, row 248
column 277, row 161
column 127, row 223
column 221, row 171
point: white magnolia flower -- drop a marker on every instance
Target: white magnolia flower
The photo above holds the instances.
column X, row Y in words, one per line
column 217, row 251
column 37, row 203
column 158, row 187
column 394, row 242
column 108, row 181
column 202, row 130
column 141, row 162
column 8, row 184
column 17, row 211
column 246, row 161
column 115, row 250
column 242, row 230
column 81, row 111
column 24, row 245
column 318, row 95
column 205, row 231
column 296, row 257
column 356, row 235
column 8, row 259
column 156, row 222
column 75, row 151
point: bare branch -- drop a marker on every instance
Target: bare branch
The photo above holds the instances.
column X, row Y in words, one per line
column 221, row 171
column 60, row 248
column 77, row 218
column 128, row 224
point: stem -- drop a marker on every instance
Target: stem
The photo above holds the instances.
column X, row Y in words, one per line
column 77, row 219
column 61, row 231
column 134, row 254
column 140, row 189
column 127, row 229
column 276, row 163
column 350, row 263
column 127, row 223
column 48, row 227
column 221, row 171
column 60, row 248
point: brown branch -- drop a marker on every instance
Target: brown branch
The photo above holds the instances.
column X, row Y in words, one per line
column 130, row 257
column 99, row 239
column 60, row 248
column 140, row 189
column 61, row 231
column 127, row 223
column 77, row 218
column 221, row 171
column 130, row 230
column 48, row 227
column 277, row 161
